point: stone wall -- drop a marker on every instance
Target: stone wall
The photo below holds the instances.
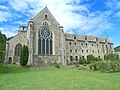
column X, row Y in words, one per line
column 16, row 59
column 42, row 60
column 82, row 46
column 10, row 46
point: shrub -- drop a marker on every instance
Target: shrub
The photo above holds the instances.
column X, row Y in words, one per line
column 82, row 61
column 93, row 66
column 91, row 58
column 112, row 57
column 116, row 65
column 77, row 65
column 57, row 66
column 105, row 66
column 24, row 56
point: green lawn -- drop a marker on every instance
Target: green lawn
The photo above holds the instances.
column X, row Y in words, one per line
column 70, row 79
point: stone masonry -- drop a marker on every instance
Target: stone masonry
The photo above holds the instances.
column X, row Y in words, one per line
column 49, row 44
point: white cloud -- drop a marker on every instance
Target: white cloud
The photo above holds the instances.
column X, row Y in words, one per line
column 69, row 14
column 118, row 5
column 19, row 5
column 9, row 30
column 20, row 22
column 4, row 16
column 117, row 14
column 113, row 4
column 1, row 29
column 3, row 7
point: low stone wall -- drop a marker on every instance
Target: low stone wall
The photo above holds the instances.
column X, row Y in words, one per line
column 43, row 60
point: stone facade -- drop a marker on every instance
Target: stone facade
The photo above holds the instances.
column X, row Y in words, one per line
column 80, row 46
column 49, row 44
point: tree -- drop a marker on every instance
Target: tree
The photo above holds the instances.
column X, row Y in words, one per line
column 117, row 49
column 112, row 57
column 24, row 55
column 2, row 46
column 91, row 58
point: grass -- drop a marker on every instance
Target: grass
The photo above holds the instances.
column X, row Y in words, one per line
column 68, row 79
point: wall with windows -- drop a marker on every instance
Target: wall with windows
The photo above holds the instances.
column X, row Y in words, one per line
column 48, row 43
column 47, row 37
column 80, row 46
column 13, row 48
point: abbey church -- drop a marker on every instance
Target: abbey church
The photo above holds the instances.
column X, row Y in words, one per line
column 49, row 44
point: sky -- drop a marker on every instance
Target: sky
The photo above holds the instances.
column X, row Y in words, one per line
column 90, row 17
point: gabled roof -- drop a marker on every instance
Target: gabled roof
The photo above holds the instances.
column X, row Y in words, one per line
column 45, row 9
column 17, row 36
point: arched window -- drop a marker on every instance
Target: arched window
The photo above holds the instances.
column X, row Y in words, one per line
column 18, row 49
column 10, row 60
column 45, row 22
column 45, row 41
column 76, row 58
column 45, row 16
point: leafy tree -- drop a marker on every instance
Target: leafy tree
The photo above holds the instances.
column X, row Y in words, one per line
column 91, row 58
column 111, row 64
column 105, row 66
column 83, row 61
column 112, row 57
column 117, row 49
column 24, row 55
column 2, row 46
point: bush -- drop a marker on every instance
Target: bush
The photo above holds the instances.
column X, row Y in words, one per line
column 112, row 57
column 93, row 66
column 24, row 56
column 105, row 66
column 91, row 58
column 57, row 66
column 111, row 63
column 77, row 65
column 82, row 61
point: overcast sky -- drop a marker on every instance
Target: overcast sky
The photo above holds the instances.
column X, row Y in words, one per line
column 89, row 17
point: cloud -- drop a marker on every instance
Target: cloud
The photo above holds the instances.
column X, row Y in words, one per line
column 3, row 7
column 9, row 30
column 4, row 16
column 117, row 14
column 74, row 16
column 20, row 23
column 1, row 29
column 113, row 4
column 97, row 23
column 19, row 5
column 118, row 5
